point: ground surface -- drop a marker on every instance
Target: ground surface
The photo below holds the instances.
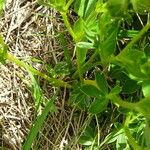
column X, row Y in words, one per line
column 29, row 31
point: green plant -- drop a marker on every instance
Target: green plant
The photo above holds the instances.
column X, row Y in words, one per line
column 118, row 73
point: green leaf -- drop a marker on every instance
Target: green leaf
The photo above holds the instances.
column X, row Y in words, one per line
column 101, row 7
column 64, row 44
column 3, row 50
column 2, row 2
column 117, row 7
column 130, row 86
column 81, row 54
column 36, row 91
column 101, row 82
column 117, row 89
column 85, row 140
column 145, row 67
column 78, row 29
column 61, row 69
column 50, row 107
column 85, row 45
column 108, row 47
column 79, row 99
column 91, row 91
column 79, row 7
column 90, row 7
column 98, row 105
column 132, row 60
column 121, row 142
column 89, row 131
column 141, row 6
column 82, row 101
column 146, row 50
column 146, row 88
column 146, row 135
column 108, row 29
column 88, row 136
column 91, row 27
column 50, row 70
column 143, row 107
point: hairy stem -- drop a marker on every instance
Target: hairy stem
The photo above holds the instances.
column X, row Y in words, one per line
column 131, row 140
column 52, row 81
column 68, row 26
column 116, row 99
column 68, row 4
column 134, row 40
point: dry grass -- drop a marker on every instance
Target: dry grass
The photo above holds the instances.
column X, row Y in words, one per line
column 30, row 31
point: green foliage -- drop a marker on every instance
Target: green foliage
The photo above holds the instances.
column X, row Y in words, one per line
column 3, row 50
column 50, row 107
column 91, row 91
column 132, row 61
column 57, row 4
column 117, row 8
column 88, row 137
column 141, row 6
column 98, row 105
column 101, row 82
column 119, row 71
column 36, row 91
column 1, row 6
column 146, row 88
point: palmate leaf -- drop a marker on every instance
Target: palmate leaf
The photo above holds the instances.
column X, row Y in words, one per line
column 108, row 46
column 132, row 61
column 108, row 35
column 84, row 7
column 117, row 89
column 101, row 82
column 98, row 105
column 100, row 101
column 91, row 91
column 79, row 7
column 90, row 7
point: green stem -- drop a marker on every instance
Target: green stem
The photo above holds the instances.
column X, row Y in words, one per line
column 52, row 81
column 79, row 64
column 86, row 65
column 66, row 50
column 131, row 140
column 135, row 39
column 68, row 5
column 118, row 100
column 68, row 26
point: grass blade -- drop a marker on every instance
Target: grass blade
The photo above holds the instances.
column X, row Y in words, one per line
column 50, row 107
